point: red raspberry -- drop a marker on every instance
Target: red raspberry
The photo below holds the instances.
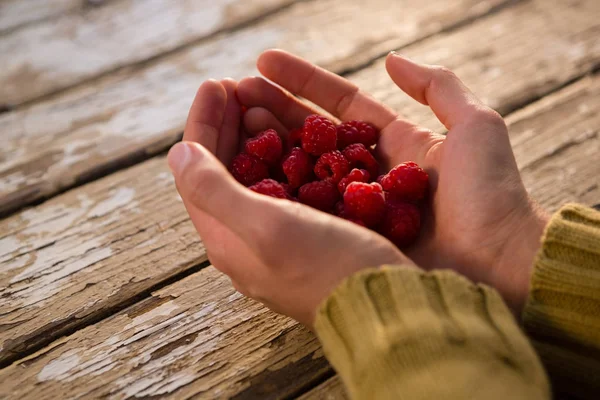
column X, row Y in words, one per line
column 356, row 132
column 297, row 167
column 401, row 223
column 365, row 201
column 340, row 211
column 332, row 165
column 356, row 175
column 270, row 187
column 266, row 146
column 406, row 181
column 320, row 135
column 248, row 169
column 360, row 157
column 295, row 138
column 321, row 195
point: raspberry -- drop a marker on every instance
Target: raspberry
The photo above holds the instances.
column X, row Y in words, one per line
column 248, row 169
column 266, row 146
column 356, row 175
column 365, row 201
column 272, row 188
column 356, row 132
column 321, row 195
column 297, row 167
column 320, row 135
column 406, row 181
column 295, row 138
column 340, row 211
column 332, row 165
column 401, row 223
column 360, row 157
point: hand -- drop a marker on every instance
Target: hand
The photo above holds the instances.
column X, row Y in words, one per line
column 481, row 221
column 284, row 254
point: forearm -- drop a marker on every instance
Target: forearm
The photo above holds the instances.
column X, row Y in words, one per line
column 403, row 333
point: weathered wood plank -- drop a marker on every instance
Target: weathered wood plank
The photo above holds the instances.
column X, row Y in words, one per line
column 52, row 55
column 126, row 32
column 94, row 129
column 508, row 59
column 197, row 337
column 92, row 357
column 89, row 250
column 556, row 142
column 15, row 13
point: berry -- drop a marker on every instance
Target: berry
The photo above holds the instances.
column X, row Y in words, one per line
column 332, row 165
column 406, row 181
column 356, row 175
column 272, row 188
column 340, row 211
column 266, row 146
column 297, row 167
column 248, row 169
column 360, row 157
column 356, row 132
column 295, row 138
column 320, row 135
column 401, row 223
column 321, row 195
column 365, row 201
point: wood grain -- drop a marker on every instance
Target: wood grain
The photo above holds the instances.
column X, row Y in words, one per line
column 16, row 13
column 106, row 124
column 109, row 37
column 197, row 337
column 126, row 32
column 93, row 355
column 556, row 142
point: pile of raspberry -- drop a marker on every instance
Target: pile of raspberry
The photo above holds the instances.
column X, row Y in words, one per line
column 332, row 168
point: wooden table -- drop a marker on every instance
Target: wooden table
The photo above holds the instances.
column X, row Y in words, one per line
column 105, row 288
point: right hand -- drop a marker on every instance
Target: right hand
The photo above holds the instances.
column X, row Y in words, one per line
column 480, row 222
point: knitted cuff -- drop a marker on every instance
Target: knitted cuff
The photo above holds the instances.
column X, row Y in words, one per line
column 562, row 313
column 399, row 328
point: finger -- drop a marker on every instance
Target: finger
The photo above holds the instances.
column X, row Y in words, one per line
column 229, row 136
column 451, row 101
column 204, row 183
column 257, row 92
column 206, row 115
column 333, row 93
column 258, row 119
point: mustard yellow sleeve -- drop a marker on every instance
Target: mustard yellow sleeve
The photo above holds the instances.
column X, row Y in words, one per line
column 562, row 314
column 401, row 333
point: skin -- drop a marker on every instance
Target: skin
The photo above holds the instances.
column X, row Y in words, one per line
column 481, row 221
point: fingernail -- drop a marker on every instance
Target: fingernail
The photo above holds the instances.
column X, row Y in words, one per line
column 179, row 156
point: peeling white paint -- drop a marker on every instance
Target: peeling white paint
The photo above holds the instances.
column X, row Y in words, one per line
column 119, row 198
column 60, row 367
column 140, row 321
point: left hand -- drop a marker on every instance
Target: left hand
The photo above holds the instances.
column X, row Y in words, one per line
column 282, row 253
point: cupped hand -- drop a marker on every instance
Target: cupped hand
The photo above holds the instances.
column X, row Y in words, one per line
column 481, row 221
column 282, row 253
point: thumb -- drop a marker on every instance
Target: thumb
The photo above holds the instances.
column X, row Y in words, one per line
column 439, row 88
column 204, row 183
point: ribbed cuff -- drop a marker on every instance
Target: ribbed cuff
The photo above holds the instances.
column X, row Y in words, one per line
column 562, row 313
column 402, row 330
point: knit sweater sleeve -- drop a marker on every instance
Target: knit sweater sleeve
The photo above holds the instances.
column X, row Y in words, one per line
column 401, row 333
column 562, row 314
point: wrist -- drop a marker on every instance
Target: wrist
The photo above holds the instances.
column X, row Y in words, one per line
column 515, row 265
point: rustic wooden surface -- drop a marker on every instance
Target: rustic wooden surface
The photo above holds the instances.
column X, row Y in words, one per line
column 116, row 265
column 132, row 114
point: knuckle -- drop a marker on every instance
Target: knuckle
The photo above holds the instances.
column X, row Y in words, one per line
column 489, row 118
column 444, row 73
